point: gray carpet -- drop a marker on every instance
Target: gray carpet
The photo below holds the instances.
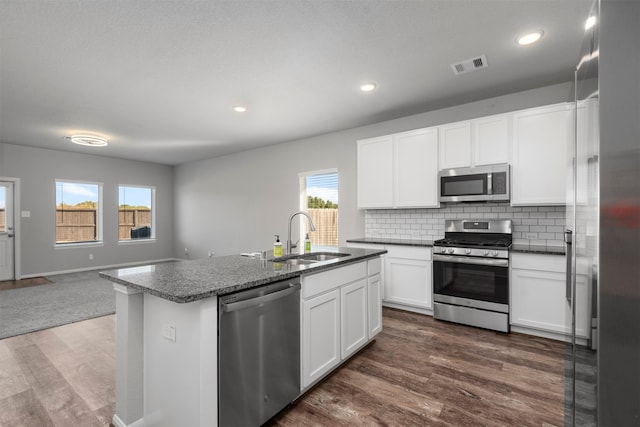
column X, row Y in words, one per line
column 70, row 298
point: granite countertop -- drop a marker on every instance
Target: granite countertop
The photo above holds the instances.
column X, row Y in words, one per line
column 384, row 241
column 192, row 280
column 538, row 249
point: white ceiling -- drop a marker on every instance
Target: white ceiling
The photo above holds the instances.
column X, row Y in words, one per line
column 159, row 78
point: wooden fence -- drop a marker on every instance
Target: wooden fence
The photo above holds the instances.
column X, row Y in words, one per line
column 132, row 218
column 326, row 222
column 79, row 225
column 3, row 223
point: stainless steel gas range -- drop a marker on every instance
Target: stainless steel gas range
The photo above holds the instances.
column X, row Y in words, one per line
column 471, row 273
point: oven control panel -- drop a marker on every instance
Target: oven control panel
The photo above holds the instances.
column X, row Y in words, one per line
column 485, row 253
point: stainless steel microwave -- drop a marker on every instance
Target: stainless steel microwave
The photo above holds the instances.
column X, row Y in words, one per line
column 478, row 184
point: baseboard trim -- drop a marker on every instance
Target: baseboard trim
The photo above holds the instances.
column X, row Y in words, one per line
column 546, row 334
column 407, row 308
column 99, row 267
column 117, row 422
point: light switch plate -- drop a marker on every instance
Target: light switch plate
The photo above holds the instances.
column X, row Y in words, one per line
column 25, row 214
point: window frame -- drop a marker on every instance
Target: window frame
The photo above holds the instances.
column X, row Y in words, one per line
column 149, row 239
column 302, row 179
column 99, row 215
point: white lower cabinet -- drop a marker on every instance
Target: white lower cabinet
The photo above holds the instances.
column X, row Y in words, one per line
column 538, row 295
column 374, row 296
column 336, row 312
column 320, row 335
column 353, row 304
column 408, row 276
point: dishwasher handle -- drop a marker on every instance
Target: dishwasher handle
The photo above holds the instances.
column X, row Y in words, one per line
column 252, row 302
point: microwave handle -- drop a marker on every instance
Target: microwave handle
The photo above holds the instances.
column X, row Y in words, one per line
column 489, row 183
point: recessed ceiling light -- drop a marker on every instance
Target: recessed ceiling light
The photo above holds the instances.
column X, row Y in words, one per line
column 368, row 87
column 529, row 38
column 239, row 108
column 88, row 140
column 591, row 21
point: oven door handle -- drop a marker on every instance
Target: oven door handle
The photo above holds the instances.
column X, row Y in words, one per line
column 469, row 260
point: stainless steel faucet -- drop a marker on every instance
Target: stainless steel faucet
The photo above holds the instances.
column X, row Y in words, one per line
column 291, row 246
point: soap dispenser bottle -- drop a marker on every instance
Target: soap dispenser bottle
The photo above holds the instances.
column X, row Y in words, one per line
column 277, row 247
column 307, row 244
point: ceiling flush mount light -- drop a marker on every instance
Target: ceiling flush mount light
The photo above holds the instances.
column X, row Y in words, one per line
column 239, row 108
column 529, row 38
column 591, row 21
column 368, row 87
column 88, row 140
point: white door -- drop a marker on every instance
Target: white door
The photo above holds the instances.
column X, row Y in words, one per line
column 7, row 247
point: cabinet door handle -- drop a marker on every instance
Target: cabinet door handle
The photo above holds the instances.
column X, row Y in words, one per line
column 568, row 239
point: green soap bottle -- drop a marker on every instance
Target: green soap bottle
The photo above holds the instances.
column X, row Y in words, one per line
column 307, row 244
column 277, row 247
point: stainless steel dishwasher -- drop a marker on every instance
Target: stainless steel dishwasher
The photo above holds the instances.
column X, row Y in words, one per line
column 258, row 352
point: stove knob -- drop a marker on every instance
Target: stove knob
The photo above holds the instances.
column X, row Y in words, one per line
column 495, row 253
column 450, row 250
column 485, row 252
column 467, row 251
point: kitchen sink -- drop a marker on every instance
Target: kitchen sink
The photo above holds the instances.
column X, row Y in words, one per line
column 321, row 256
column 310, row 258
column 294, row 261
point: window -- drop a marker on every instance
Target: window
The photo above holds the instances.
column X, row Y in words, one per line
column 319, row 197
column 78, row 212
column 136, row 212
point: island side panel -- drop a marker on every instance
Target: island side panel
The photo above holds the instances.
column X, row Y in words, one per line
column 129, row 357
column 209, row 362
column 180, row 363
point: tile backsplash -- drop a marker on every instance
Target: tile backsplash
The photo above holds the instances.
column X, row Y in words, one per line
column 535, row 225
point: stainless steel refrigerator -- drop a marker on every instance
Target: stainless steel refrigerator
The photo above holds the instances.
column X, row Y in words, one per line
column 603, row 217
column 582, row 235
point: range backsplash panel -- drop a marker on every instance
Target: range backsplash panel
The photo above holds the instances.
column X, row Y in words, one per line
column 535, row 225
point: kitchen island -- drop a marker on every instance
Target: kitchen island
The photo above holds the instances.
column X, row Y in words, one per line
column 167, row 327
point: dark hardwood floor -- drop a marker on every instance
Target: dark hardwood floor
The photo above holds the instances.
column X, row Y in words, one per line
column 418, row 372
column 428, row 373
column 23, row 283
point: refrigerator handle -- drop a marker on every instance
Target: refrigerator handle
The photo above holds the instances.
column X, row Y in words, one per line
column 568, row 240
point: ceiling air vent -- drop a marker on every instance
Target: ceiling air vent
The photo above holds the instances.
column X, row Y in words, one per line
column 471, row 64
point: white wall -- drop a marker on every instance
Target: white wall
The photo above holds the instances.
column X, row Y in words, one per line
column 38, row 169
column 236, row 203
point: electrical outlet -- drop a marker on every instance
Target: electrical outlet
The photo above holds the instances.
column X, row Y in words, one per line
column 531, row 236
column 169, row 332
column 90, row 256
column 415, row 233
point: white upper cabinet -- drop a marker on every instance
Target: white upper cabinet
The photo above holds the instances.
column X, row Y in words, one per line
column 399, row 171
column 416, row 169
column 375, row 172
column 491, row 140
column 478, row 142
column 455, row 145
column 540, row 143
